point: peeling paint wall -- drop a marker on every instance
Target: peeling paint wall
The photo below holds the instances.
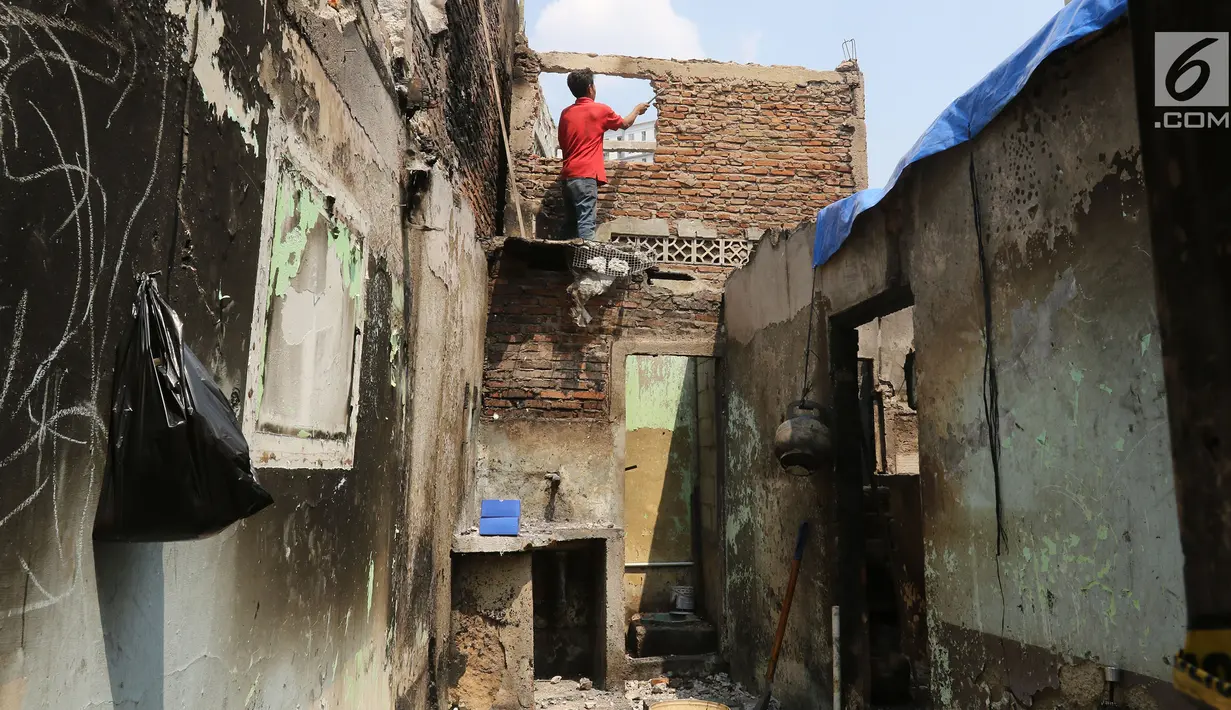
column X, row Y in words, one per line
column 159, row 137
column 661, row 472
column 766, row 317
column 1092, row 564
column 450, row 306
column 1091, row 567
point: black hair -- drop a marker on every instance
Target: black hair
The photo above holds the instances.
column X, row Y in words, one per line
column 580, row 81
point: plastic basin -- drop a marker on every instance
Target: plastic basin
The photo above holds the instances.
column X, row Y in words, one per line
column 688, row 705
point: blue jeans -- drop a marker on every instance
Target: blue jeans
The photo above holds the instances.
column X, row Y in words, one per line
column 582, row 194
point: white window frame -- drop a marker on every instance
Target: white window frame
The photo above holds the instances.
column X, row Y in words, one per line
column 280, row 451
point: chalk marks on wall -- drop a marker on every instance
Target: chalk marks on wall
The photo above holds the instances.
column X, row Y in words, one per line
column 64, row 87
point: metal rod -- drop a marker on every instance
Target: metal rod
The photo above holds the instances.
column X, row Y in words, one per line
column 837, row 660
column 880, row 426
column 643, row 565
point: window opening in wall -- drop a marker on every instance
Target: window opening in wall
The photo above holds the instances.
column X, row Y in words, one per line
column 635, row 144
column 569, row 611
column 308, row 319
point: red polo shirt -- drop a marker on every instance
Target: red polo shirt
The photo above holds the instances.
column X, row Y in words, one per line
column 582, row 126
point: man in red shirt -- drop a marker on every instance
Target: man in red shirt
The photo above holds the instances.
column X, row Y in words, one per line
column 582, row 126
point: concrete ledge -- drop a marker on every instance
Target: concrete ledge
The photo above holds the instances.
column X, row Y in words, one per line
column 647, row 68
column 533, row 536
column 677, row 666
column 614, row 146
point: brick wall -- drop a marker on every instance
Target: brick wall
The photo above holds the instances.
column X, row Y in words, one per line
column 539, row 364
column 472, row 120
column 738, row 154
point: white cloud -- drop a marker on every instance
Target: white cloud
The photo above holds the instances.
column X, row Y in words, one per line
column 650, row 28
column 749, row 46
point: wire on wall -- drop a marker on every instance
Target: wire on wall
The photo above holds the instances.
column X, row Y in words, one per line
column 991, row 395
column 991, row 391
column 805, row 384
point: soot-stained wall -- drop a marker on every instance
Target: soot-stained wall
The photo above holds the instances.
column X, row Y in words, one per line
column 1089, row 568
column 150, row 138
column 766, row 317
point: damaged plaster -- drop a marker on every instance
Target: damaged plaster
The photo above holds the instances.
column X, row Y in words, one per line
column 308, row 308
column 1090, row 562
column 203, row 38
column 307, row 206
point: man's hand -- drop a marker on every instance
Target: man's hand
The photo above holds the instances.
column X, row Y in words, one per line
column 639, row 109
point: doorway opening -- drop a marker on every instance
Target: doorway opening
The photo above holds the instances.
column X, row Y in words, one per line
column 569, row 608
column 671, row 507
column 873, row 354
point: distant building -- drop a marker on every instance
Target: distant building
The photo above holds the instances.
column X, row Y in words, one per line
column 547, row 142
column 641, row 132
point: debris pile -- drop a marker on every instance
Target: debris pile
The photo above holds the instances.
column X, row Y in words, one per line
column 559, row 694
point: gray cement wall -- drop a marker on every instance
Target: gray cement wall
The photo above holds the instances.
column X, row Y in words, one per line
column 151, row 139
column 766, row 312
column 1093, row 565
column 887, row 340
column 1091, row 568
column 516, row 457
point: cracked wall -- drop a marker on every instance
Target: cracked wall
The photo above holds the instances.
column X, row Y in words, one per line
column 152, row 138
column 1091, row 564
column 1090, row 571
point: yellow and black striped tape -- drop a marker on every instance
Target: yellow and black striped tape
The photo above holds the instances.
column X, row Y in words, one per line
column 1203, row 669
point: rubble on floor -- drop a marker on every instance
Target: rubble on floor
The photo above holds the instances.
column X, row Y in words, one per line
column 558, row 694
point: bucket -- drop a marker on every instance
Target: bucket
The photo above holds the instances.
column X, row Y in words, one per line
column 683, row 598
column 688, row 705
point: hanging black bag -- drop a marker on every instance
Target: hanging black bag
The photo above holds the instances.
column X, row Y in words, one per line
column 177, row 465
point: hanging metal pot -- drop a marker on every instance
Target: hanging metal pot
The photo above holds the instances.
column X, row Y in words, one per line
column 802, row 441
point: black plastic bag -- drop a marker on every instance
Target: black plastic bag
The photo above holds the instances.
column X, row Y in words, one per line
column 177, row 466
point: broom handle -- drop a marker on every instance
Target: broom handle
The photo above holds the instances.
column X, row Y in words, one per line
column 786, row 601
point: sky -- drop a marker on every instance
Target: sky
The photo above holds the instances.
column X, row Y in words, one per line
column 916, row 57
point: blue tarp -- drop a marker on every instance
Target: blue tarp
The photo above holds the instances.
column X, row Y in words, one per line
column 971, row 113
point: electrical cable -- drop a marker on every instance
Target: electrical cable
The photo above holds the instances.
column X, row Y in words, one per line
column 991, row 391
column 991, row 394
column 805, row 386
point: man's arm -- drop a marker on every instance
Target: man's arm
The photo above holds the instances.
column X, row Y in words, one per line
column 631, row 118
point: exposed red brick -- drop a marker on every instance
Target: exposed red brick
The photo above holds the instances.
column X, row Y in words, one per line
column 733, row 154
